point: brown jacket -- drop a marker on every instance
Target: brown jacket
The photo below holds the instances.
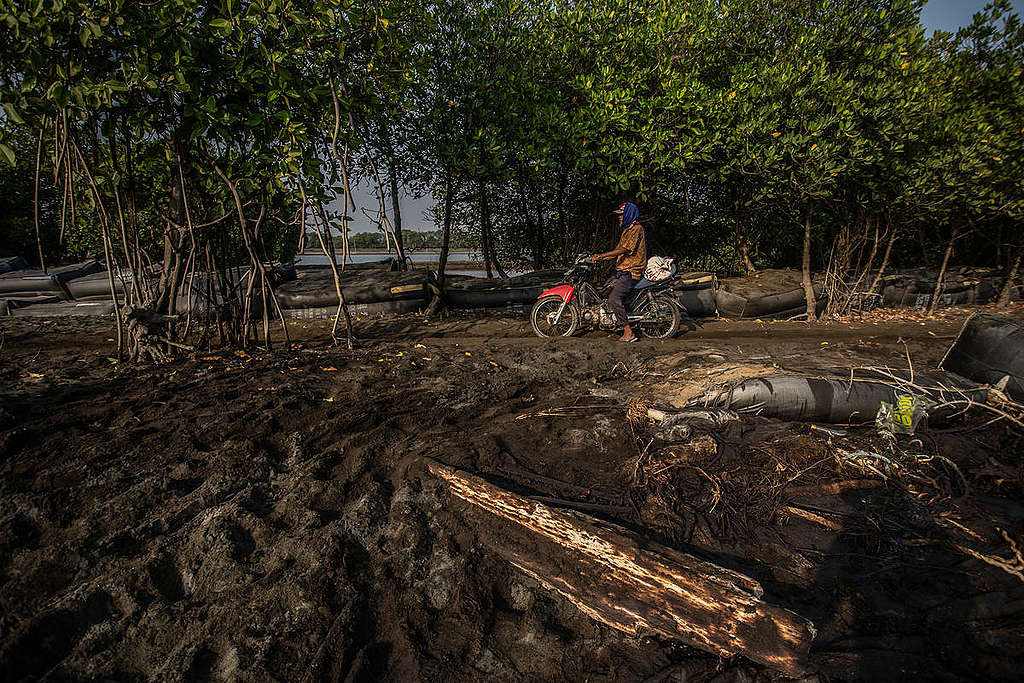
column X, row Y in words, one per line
column 634, row 261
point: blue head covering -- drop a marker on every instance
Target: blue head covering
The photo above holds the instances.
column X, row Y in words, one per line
column 629, row 214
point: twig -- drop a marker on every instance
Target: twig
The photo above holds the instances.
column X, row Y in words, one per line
column 637, row 464
column 805, row 471
column 1013, row 565
column 567, row 411
column 910, row 364
column 580, row 505
column 812, row 517
column 929, row 458
column 716, row 494
column 183, row 347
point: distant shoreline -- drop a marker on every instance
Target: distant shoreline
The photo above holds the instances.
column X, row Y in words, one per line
column 460, row 261
column 385, row 252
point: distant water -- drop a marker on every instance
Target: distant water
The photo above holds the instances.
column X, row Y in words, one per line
column 461, row 262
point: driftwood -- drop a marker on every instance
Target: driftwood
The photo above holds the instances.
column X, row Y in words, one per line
column 637, row 587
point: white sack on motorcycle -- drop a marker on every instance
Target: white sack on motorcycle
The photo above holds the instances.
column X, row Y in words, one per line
column 659, row 268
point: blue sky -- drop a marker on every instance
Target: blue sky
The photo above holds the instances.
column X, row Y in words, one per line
column 949, row 15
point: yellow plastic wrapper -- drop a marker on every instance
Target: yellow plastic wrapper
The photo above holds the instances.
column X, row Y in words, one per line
column 904, row 416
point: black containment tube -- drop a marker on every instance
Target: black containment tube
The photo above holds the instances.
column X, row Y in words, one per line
column 813, row 399
column 698, row 303
column 988, row 350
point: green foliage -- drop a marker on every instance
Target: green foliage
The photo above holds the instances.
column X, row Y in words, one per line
column 17, row 190
column 364, row 240
column 726, row 121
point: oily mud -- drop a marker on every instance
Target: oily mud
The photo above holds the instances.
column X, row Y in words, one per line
column 254, row 516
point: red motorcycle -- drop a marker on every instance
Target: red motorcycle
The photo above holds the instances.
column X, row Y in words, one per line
column 563, row 310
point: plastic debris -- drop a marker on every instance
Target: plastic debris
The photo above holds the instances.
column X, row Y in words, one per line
column 677, row 432
column 904, row 416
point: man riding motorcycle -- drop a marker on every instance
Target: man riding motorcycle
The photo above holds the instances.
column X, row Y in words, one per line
column 630, row 260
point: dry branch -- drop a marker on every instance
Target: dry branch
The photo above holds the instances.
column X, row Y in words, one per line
column 616, row 578
column 1014, row 564
column 810, row 516
column 567, row 411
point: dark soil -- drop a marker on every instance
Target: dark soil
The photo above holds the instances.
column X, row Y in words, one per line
column 256, row 516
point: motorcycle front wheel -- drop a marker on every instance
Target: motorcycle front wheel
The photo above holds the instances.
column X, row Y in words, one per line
column 664, row 318
column 553, row 317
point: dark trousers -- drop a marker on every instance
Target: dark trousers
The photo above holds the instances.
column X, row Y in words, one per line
column 622, row 283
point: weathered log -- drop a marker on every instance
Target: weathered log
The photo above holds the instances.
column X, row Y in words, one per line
column 624, row 582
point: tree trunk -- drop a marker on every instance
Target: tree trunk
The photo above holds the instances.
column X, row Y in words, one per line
column 35, row 202
column 632, row 585
column 142, row 283
column 686, row 197
column 446, row 235
column 385, row 224
column 1006, row 295
column 490, row 250
column 108, row 253
column 494, row 251
column 999, row 245
column 742, row 245
column 538, row 239
column 302, row 228
column 256, row 268
column 396, row 210
column 563, row 228
column 885, row 260
column 871, row 255
column 484, row 233
column 859, row 266
column 748, row 264
column 925, row 260
column 174, row 237
column 942, row 272
column 812, row 303
column 348, row 203
column 170, row 274
column 132, row 289
column 862, row 270
column 327, row 244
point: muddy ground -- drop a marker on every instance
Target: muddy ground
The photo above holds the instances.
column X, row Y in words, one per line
column 254, row 516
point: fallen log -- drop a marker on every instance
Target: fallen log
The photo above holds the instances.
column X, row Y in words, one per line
column 624, row 582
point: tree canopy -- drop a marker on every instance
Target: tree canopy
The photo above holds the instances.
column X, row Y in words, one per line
column 752, row 133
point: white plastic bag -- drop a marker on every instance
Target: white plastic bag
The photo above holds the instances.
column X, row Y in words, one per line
column 658, row 268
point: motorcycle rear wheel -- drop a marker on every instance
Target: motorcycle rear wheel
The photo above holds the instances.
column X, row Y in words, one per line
column 544, row 312
column 667, row 318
